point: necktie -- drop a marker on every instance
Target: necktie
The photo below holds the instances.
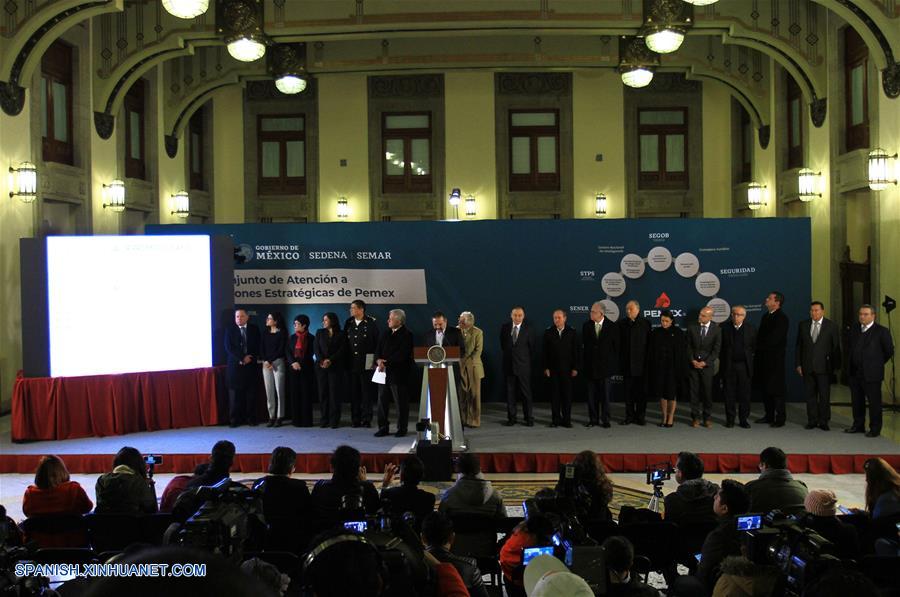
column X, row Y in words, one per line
column 597, row 327
column 515, row 334
column 815, row 331
column 703, row 331
column 244, row 339
column 439, row 337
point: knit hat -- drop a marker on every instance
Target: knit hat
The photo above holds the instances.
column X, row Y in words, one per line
column 821, row 502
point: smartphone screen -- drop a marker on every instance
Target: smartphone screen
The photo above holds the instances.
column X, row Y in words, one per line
column 357, row 525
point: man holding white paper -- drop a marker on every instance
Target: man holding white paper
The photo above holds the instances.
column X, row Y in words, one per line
column 394, row 357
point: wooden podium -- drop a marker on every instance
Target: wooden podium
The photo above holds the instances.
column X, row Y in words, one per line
column 439, row 400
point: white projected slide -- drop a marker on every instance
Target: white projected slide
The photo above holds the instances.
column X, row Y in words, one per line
column 121, row 304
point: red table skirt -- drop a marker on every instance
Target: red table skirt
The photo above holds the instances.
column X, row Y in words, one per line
column 48, row 408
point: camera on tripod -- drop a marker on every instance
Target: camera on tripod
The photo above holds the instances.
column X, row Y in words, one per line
column 657, row 474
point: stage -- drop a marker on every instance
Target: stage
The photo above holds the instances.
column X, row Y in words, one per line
column 518, row 449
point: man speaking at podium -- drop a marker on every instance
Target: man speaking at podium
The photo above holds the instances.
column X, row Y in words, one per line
column 440, row 334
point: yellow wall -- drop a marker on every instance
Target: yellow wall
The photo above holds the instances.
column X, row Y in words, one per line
column 764, row 162
column 171, row 171
column 343, row 134
column 16, row 221
column 228, row 156
column 471, row 160
column 818, row 159
column 887, row 204
column 716, row 150
column 103, row 169
column 597, row 105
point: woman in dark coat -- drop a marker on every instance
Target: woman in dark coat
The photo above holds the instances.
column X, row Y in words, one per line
column 667, row 365
column 331, row 368
column 301, row 372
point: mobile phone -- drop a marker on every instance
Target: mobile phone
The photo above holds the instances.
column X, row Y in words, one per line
column 749, row 523
column 359, row 526
column 529, row 553
column 697, row 556
column 153, row 459
column 844, row 510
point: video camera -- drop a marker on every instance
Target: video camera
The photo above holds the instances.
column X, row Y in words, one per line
column 225, row 520
column 778, row 540
column 151, row 460
column 657, row 474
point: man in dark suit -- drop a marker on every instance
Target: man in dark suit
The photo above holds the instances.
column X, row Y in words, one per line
column 870, row 347
column 634, row 331
column 362, row 338
column 561, row 359
column 771, row 342
column 736, row 365
column 395, row 357
column 817, row 356
column 704, row 345
column 600, row 342
column 517, row 344
column 443, row 335
column 242, row 344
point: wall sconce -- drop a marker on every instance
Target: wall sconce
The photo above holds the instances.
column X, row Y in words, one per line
column 756, row 195
column 808, row 184
column 636, row 61
column 287, row 65
column 24, row 182
column 881, row 167
column 115, row 194
column 343, row 208
column 600, row 205
column 455, row 199
column 665, row 24
column 185, row 9
column 470, row 206
column 182, row 203
column 240, row 22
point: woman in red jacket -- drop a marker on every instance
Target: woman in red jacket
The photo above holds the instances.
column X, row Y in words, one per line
column 53, row 492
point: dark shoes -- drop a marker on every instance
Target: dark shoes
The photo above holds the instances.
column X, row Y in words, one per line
column 590, row 424
column 744, row 425
column 764, row 420
column 605, row 424
column 824, row 427
column 810, row 426
column 626, row 422
column 271, row 423
column 400, row 433
column 355, row 424
column 873, row 434
column 529, row 423
column 729, row 424
column 509, row 423
column 567, row 425
column 853, row 430
column 382, row 433
column 777, row 424
column 553, row 425
column 323, row 424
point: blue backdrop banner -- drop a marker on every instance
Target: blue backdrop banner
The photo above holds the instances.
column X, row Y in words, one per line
column 488, row 266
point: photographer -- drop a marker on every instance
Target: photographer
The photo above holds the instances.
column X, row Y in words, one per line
column 127, row 489
column 437, row 537
column 731, row 501
column 407, row 497
column 535, row 531
column 595, row 488
column 822, row 518
column 221, row 457
column 348, row 480
column 619, row 560
column 692, row 502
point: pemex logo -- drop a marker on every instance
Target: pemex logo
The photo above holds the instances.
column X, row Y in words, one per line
column 663, row 301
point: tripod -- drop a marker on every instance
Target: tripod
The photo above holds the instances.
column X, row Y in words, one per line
column 657, row 497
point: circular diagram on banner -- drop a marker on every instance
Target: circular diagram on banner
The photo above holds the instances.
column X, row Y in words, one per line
column 659, row 259
column 707, row 284
column 610, row 309
column 613, row 284
column 721, row 310
column 633, row 266
column 687, row 265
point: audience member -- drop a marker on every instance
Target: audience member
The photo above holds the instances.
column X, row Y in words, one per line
column 776, row 489
column 407, row 497
column 127, row 489
column 619, row 560
column 593, row 482
column 471, row 494
column 535, row 531
column 281, row 495
column 347, row 490
column 840, row 583
column 821, row 504
column 177, row 486
column 220, row 460
column 547, row 576
column 53, row 492
column 277, row 582
column 742, row 577
column 437, row 537
column 882, row 488
column 731, row 501
column 692, row 501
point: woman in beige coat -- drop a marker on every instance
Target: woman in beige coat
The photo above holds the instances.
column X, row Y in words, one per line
column 471, row 371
